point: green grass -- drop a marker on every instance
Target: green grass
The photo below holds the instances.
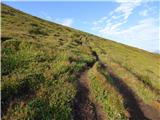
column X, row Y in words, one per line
column 106, row 95
column 140, row 88
column 40, row 61
column 56, row 68
column 134, row 66
column 138, row 62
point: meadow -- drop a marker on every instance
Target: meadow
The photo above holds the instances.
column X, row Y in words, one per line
column 43, row 61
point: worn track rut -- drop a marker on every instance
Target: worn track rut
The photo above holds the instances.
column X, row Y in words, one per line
column 130, row 101
column 84, row 108
column 137, row 108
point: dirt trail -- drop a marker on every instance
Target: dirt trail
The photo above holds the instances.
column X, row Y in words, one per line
column 137, row 108
column 84, row 108
column 157, row 91
column 150, row 112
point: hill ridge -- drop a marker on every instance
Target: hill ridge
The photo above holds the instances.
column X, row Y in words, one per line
column 43, row 62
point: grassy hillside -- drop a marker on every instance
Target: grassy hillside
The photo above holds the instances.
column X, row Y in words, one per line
column 43, row 61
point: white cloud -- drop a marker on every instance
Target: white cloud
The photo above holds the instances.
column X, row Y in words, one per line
column 65, row 21
column 117, row 17
column 143, row 13
column 101, row 20
column 144, row 30
column 126, row 7
column 143, row 35
column 46, row 16
column 111, row 28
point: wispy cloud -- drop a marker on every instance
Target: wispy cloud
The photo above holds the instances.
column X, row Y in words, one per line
column 126, row 7
column 67, row 22
column 64, row 21
column 46, row 16
column 144, row 34
column 117, row 17
column 143, row 13
column 145, row 30
column 142, row 31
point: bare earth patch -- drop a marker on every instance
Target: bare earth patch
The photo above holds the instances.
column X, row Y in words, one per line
column 84, row 108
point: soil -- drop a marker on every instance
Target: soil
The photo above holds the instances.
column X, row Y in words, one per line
column 84, row 108
column 137, row 109
column 157, row 91
column 150, row 112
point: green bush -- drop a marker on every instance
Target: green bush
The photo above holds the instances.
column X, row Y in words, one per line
column 35, row 109
column 20, row 88
column 37, row 30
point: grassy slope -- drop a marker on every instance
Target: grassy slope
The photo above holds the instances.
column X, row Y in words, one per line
column 40, row 61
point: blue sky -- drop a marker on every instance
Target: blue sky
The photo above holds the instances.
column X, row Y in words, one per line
column 132, row 23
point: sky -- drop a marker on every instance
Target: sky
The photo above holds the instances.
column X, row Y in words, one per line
column 133, row 23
